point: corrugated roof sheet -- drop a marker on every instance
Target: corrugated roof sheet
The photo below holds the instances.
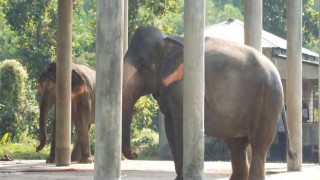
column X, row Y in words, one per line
column 233, row 30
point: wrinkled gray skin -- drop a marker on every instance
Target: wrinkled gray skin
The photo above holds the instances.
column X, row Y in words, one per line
column 243, row 96
column 82, row 108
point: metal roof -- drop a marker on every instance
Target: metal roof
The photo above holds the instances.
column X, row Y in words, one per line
column 233, row 30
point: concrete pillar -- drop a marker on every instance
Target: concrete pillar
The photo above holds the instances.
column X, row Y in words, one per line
column 193, row 98
column 109, row 52
column 253, row 23
column 125, row 26
column 294, row 80
column 318, row 94
column 63, row 88
column 252, row 32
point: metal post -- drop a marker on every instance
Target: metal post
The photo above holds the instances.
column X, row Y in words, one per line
column 294, row 80
column 63, row 78
column 193, row 98
column 109, row 52
column 253, row 23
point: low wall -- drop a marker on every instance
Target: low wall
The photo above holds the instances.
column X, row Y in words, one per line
column 215, row 149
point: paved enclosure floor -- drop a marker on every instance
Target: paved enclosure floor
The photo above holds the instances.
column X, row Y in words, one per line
column 136, row 169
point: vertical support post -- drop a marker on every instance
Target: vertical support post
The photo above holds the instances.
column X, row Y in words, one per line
column 294, row 80
column 253, row 23
column 252, row 33
column 109, row 52
column 63, row 88
column 125, row 27
column 319, row 88
column 193, row 98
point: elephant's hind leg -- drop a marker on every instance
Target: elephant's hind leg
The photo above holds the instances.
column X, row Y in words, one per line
column 260, row 144
column 76, row 152
column 238, row 148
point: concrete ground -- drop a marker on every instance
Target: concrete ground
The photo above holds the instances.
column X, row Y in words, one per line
column 136, row 169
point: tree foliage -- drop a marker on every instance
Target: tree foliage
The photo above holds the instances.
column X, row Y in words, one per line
column 144, row 12
column 145, row 112
column 13, row 97
column 34, row 23
column 275, row 20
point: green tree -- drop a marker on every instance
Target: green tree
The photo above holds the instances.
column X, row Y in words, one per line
column 221, row 11
column 144, row 12
column 84, row 32
column 274, row 21
column 34, row 22
column 13, row 97
column 8, row 39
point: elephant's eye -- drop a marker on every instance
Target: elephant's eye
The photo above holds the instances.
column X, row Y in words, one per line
column 142, row 67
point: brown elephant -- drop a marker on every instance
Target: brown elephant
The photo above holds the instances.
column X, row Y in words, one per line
column 243, row 96
column 82, row 108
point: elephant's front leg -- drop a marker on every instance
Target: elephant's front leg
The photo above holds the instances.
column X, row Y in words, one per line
column 51, row 158
column 82, row 129
column 173, row 127
column 172, row 144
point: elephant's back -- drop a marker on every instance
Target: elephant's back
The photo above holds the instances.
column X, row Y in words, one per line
column 238, row 80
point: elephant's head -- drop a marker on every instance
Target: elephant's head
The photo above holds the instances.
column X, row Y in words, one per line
column 47, row 95
column 144, row 72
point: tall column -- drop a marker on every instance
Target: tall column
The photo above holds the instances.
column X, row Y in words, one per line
column 63, row 88
column 294, row 80
column 253, row 23
column 193, row 98
column 125, row 27
column 252, row 33
column 319, row 89
column 109, row 52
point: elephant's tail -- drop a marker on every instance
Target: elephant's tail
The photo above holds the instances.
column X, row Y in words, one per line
column 291, row 153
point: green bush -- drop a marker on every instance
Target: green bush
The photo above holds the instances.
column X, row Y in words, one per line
column 91, row 139
column 145, row 115
column 146, row 143
column 25, row 150
column 13, row 97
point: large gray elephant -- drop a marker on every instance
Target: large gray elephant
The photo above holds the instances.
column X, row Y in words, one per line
column 243, row 96
column 82, row 108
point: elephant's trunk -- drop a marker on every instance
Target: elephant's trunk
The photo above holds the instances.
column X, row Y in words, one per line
column 126, row 144
column 44, row 108
column 129, row 97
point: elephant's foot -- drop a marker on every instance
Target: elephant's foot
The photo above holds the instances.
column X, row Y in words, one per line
column 239, row 175
column 75, row 158
column 85, row 161
column 179, row 177
column 123, row 157
column 50, row 160
column 256, row 177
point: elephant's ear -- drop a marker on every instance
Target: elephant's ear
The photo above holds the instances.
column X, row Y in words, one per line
column 39, row 87
column 173, row 68
column 78, row 84
column 48, row 73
